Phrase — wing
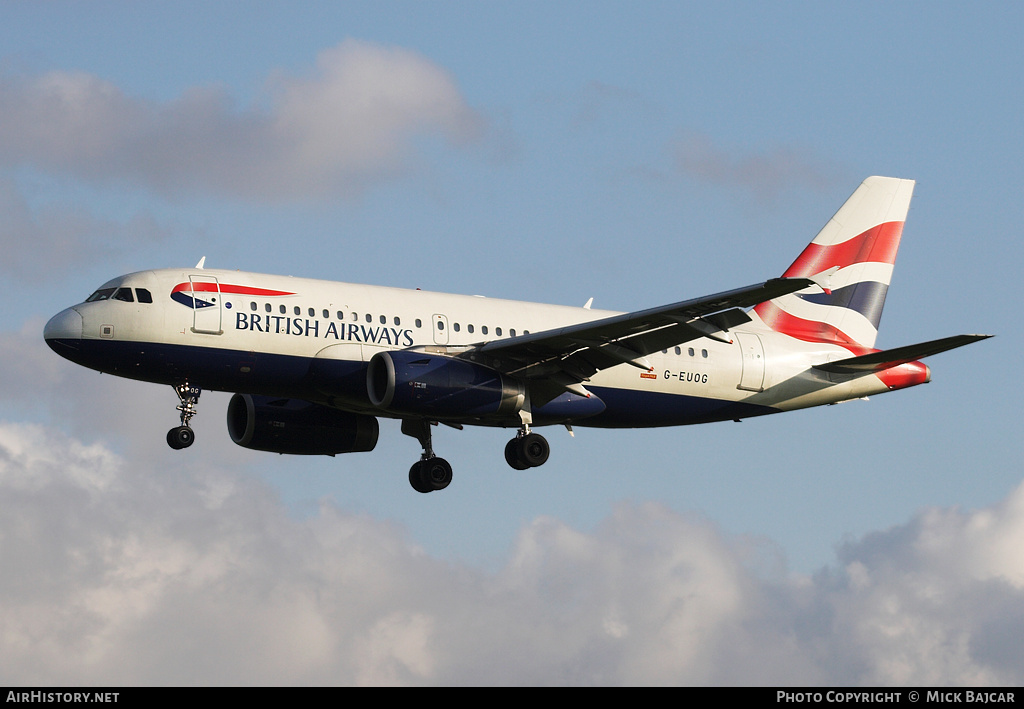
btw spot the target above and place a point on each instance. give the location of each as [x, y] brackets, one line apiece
[567, 356]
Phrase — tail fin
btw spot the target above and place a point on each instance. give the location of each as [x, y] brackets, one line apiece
[861, 240]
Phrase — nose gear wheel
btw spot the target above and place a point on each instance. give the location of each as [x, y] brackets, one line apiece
[183, 436]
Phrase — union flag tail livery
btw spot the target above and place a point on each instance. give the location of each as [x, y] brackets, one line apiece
[861, 241]
[314, 364]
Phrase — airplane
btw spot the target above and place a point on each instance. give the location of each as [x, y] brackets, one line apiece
[313, 364]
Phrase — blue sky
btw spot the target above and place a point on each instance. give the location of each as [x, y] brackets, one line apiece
[636, 154]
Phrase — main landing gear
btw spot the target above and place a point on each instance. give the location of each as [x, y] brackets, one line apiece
[183, 436]
[429, 473]
[527, 450]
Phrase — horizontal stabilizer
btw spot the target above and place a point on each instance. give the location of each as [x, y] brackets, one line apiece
[884, 359]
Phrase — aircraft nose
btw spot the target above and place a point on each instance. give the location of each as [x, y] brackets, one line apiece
[64, 330]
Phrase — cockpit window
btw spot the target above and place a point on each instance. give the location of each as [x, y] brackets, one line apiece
[123, 294]
[101, 294]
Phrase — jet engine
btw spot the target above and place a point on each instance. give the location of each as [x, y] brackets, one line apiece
[279, 425]
[420, 384]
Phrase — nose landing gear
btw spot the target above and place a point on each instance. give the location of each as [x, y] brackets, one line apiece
[183, 436]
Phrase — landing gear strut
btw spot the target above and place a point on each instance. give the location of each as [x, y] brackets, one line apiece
[429, 473]
[183, 436]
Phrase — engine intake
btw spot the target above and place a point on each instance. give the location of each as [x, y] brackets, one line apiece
[266, 423]
[433, 385]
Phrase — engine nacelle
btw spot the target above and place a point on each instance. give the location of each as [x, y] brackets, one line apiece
[267, 423]
[418, 383]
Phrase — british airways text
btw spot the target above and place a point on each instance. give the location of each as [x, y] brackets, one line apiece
[307, 327]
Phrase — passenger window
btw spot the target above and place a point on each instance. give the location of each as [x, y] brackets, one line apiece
[268, 307]
[440, 324]
[419, 323]
[469, 329]
[327, 313]
[312, 313]
[483, 329]
[679, 350]
[383, 320]
[456, 327]
[497, 331]
[398, 321]
[283, 310]
[341, 315]
[704, 354]
[512, 332]
[252, 305]
[690, 351]
[143, 295]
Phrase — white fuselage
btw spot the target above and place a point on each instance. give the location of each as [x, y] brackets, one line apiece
[310, 339]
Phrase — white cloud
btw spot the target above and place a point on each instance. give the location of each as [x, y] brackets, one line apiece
[138, 568]
[43, 241]
[764, 174]
[117, 572]
[355, 121]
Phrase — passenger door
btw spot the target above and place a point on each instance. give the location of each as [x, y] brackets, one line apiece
[752, 351]
[206, 305]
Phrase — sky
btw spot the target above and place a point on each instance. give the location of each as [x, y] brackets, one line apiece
[636, 153]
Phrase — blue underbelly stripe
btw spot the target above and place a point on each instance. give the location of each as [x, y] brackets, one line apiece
[314, 379]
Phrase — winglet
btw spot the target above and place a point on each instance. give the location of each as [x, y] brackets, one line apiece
[824, 279]
[202, 261]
